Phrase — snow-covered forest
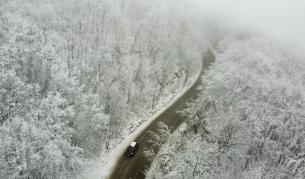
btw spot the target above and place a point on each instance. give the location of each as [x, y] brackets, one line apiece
[77, 76]
[248, 121]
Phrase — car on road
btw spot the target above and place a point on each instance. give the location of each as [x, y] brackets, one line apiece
[132, 149]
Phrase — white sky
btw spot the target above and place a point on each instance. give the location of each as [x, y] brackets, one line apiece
[283, 19]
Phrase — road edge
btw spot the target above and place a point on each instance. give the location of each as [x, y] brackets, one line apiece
[120, 149]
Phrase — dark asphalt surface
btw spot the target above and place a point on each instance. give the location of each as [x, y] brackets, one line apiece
[133, 168]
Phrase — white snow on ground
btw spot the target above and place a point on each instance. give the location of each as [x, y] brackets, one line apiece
[103, 167]
[100, 167]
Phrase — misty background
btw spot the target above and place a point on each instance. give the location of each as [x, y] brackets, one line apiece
[281, 19]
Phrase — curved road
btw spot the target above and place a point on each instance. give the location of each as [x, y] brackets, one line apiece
[134, 168]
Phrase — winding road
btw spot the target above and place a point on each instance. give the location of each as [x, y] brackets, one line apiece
[133, 168]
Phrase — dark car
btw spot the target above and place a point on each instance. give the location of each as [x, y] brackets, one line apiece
[132, 149]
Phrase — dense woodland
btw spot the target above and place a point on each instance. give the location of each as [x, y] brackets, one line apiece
[76, 75]
[248, 122]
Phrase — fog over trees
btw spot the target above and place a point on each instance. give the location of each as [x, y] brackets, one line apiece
[78, 76]
[248, 121]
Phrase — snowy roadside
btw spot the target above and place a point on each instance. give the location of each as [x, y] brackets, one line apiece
[175, 135]
[102, 166]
